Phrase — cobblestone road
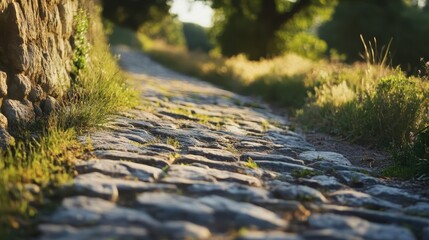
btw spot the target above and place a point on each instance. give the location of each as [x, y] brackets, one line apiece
[197, 162]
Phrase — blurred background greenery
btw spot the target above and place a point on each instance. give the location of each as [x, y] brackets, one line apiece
[261, 29]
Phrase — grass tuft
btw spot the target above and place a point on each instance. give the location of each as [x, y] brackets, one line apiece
[173, 142]
[251, 164]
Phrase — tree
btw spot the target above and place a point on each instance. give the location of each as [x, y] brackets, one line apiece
[255, 28]
[133, 13]
[196, 37]
[151, 17]
[400, 20]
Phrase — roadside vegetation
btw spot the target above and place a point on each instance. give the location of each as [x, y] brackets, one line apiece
[44, 152]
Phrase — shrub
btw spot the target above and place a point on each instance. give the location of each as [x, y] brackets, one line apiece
[307, 45]
[285, 90]
[385, 114]
[394, 110]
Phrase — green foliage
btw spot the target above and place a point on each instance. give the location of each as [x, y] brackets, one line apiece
[375, 56]
[196, 38]
[80, 42]
[384, 20]
[168, 29]
[306, 45]
[150, 17]
[412, 159]
[100, 90]
[251, 164]
[286, 90]
[123, 36]
[46, 162]
[173, 142]
[304, 173]
[385, 114]
[396, 105]
[133, 14]
[258, 28]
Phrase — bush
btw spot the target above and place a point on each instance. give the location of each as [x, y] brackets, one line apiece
[196, 38]
[285, 90]
[307, 45]
[384, 115]
[394, 110]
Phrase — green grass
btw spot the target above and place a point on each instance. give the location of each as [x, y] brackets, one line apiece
[250, 163]
[304, 173]
[383, 115]
[412, 159]
[173, 142]
[98, 90]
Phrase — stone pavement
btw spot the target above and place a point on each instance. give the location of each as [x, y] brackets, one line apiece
[197, 162]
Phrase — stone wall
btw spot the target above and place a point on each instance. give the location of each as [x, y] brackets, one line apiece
[35, 56]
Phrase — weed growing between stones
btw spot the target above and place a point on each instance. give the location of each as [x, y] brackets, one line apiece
[43, 155]
[265, 125]
[304, 173]
[251, 164]
[173, 156]
[173, 142]
[80, 42]
[231, 148]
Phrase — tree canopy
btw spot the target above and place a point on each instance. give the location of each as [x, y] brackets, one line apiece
[403, 22]
[261, 28]
[134, 13]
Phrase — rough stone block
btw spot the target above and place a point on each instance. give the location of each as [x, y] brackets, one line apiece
[20, 87]
[18, 112]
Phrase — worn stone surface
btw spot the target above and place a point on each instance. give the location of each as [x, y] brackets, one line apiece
[395, 194]
[193, 174]
[5, 139]
[356, 179]
[234, 191]
[156, 161]
[18, 112]
[359, 227]
[359, 199]
[120, 168]
[178, 167]
[214, 154]
[269, 235]
[322, 182]
[333, 157]
[3, 121]
[256, 156]
[297, 192]
[418, 209]
[98, 185]
[103, 232]
[48, 105]
[3, 84]
[165, 206]
[20, 87]
[240, 214]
